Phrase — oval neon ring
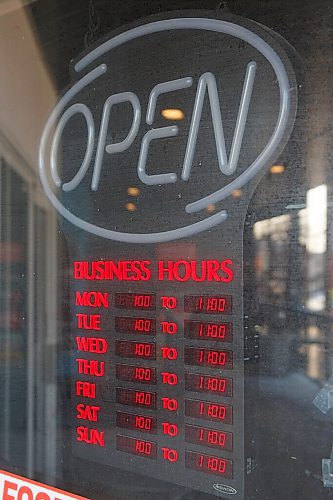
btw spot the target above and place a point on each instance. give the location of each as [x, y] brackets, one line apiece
[156, 27]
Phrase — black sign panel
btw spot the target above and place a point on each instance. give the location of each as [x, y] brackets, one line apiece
[151, 157]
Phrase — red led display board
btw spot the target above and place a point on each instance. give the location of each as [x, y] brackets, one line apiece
[152, 363]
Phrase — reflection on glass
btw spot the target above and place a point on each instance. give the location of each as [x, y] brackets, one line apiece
[316, 201]
[277, 169]
[290, 262]
[211, 208]
[172, 114]
[133, 191]
[131, 207]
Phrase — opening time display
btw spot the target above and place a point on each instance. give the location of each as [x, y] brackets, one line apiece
[155, 365]
[155, 368]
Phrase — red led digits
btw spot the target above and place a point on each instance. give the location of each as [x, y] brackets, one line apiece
[132, 397]
[208, 357]
[208, 304]
[142, 326]
[208, 411]
[144, 350]
[130, 325]
[205, 383]
[208, 463]
[137, 447]
[140, 423]
[198, 330]
[147, 424]
[139, 374]
[144, 374]
[135, 301]
[208, 437]
[128, 349]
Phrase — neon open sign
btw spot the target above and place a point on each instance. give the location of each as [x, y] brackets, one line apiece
[97, 147]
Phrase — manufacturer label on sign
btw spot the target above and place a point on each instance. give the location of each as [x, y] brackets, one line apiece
[13, 487]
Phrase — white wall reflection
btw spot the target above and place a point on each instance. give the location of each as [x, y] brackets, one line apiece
[316, 217]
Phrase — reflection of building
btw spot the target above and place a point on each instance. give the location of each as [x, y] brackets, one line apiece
[28, 250]
[272, 241]
[290, 269]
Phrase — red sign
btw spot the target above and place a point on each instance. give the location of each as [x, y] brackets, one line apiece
[13, 487]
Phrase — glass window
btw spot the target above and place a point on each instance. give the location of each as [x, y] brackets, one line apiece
[166, 272]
